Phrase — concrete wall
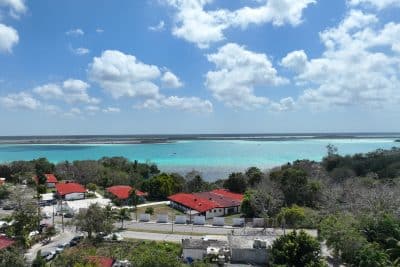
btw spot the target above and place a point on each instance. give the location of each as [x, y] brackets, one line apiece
[219, 221]
[180, 219]
[218, 212]
[144, 217]
[162, 218]
[249, 255]
[74, 196]
[195, 254]
[199, 220]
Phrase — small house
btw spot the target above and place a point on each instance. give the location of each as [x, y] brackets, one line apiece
[70, 191]
[51, 180]
[121, 193]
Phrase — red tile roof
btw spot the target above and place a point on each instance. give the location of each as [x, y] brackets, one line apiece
[6, 242]
[68, 188]
[227, 193]
[205, 201]
[123, 191]
[101, 261]
[50, 178]
[222, 201]
[193, 202]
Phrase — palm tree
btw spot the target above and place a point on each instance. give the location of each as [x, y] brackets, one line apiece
[134, 200]
[123, 215]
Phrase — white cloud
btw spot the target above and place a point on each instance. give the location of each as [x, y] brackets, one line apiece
[75, 32]
[238, 72]
[158, 28]
[80, 51]
[99, 30]
[49, 91]
[8, 38]
[295, 60]
[380, 4]
[21, 100]
[194, 23]
[170, 80]
[360, 65]
[191, 104]
[111, 110]
[123, 75]
[16, 7]
[284, 104]
[73, 112]
[70, 91]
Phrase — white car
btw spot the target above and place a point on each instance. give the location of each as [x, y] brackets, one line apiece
[113, 237]
[60, 248]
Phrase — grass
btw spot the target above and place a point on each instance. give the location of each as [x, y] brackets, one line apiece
[160, 209]
[163, 232]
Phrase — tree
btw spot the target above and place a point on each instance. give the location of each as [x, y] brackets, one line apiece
[246, 207]
[371, 255]
[91, 187]
[254, 175]
[296, 250]
[94, 220]
[12, 257]
[236, 183]
[39, 261]
[41, 189]
[123, 214]
[149, 210]
[161, 186]
[197, 184]
[42, 166]
[292, 216]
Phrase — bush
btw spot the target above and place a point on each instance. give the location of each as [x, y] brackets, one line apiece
[149, 210]
[292, 217]
[296, 249]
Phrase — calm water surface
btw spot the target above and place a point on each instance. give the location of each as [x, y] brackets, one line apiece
[214, 158]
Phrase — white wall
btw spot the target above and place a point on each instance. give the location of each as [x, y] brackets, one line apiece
[218, 212]
[195, 254]
[74, 196]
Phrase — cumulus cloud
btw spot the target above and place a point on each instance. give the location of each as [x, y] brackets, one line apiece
[8, 38]
[379, 4]
[194, 23]
[238, 72]
[123, 75]
[16, 7]
[158, 28]
[285, 104]
[360, 65]
[99, 30]
[191, 104]
[20, 100]
[75, 32]
[70, 91]
[169, 80]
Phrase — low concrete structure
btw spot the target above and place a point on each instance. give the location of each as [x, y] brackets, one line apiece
[199, 220]
[218, 221]
[238, 222]
[162, 218]
[198, 249]
[249, 249]
[144, 217]
[180, 219]
[258, 222]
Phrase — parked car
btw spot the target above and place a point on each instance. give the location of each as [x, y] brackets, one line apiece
[113, 237]
[9, 206]
[75, 241]
[60, 248]
[48, 255]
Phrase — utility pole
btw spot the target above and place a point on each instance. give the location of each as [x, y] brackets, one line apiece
[172, 222]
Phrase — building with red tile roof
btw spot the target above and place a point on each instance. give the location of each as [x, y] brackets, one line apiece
[122, 191]
[101, 261]
[70, 191]
[6, 242]
[51, 180]
[210, 204]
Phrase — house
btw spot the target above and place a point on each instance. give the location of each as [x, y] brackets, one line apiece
[216, 203]
[101, 261]
[70, 191]
[51, 180]
[6, 242]
[250, 249]
[122, 192]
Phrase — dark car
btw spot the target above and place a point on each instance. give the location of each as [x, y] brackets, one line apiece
[75, 241]
[9, 206]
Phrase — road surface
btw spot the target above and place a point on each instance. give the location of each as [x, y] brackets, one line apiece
[177, 238]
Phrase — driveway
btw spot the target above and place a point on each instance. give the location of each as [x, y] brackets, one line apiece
[163, 237]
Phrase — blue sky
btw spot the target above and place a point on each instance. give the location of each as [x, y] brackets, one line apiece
[199, 66]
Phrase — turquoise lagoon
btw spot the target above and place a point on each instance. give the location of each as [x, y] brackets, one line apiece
[214, 158]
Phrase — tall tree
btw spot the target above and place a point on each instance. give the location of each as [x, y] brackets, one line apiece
[236, 183]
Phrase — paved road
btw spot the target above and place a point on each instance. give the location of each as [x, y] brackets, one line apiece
[161, 237]
[61, 238]
[198, 229]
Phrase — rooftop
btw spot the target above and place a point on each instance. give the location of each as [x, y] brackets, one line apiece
[123, 191]
[50, 178]
[101, 261]
[6, 242]
[68, 188]
[202, 243]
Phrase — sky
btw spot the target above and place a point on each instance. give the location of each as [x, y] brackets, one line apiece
[199, 66]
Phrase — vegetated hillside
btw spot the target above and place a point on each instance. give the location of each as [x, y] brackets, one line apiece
[353, 200]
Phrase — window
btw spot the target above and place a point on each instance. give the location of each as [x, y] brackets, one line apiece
[220, 210]
[215, 210]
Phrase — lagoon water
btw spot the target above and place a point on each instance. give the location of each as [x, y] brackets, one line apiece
[214, 158]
